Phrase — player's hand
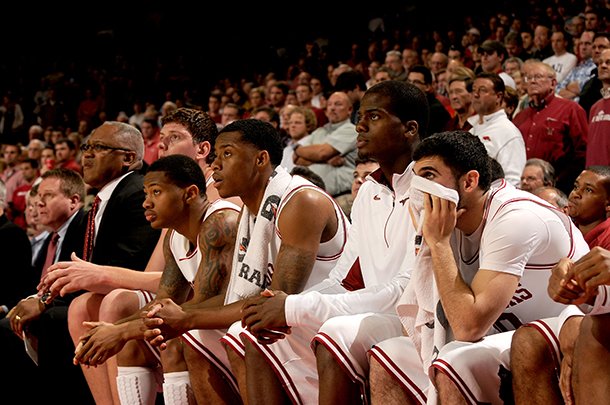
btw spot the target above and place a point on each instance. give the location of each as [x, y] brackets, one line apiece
[264, 315]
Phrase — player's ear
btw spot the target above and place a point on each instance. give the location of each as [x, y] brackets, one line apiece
[191, 193]
[203, 150]
[471, 180]
[262, 158]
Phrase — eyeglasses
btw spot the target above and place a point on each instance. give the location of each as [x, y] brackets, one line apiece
[98, 148]
[536, 77]
[417, 82]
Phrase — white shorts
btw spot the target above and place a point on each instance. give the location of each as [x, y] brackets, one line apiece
[477, 369]
[348, 338]
[291, 359]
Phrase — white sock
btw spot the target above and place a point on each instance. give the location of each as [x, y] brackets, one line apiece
[136, 385]
[177, 389]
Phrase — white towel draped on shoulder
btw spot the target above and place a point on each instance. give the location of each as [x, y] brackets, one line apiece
[250, 272]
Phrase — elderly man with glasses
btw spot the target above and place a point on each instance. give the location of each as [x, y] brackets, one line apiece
[553, 128]
[118, 235]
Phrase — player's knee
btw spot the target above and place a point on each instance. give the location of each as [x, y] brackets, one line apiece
[173, 357]
[118, 304]
[527, 347]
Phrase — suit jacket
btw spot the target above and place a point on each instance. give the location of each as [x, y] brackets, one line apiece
[18, 276]
[124, 237]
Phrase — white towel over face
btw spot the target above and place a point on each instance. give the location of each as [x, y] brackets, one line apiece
[417, 308]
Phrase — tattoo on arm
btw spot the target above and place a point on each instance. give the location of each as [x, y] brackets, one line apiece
[173, 284]
[216, 242]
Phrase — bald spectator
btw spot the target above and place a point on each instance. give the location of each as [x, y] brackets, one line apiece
[330, 151]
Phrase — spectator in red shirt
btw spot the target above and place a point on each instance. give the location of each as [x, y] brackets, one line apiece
[554, 129]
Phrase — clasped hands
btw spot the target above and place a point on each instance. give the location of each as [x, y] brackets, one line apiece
[577, 282]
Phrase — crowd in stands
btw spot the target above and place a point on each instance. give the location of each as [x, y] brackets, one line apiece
[275, 219]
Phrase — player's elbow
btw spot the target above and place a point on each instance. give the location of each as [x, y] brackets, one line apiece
[469, 332]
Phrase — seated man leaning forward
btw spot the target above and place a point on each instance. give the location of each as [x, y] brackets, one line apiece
[198, 249]
[290, 235]
[489, 258]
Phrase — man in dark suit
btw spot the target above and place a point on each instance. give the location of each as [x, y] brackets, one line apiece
[60, 208]
[122, 238]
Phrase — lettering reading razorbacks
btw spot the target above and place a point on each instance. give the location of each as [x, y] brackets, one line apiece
[255, 276]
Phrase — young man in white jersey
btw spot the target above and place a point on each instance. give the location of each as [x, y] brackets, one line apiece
[490, 256]
[175, 200]
[290, 236]
[354, 307]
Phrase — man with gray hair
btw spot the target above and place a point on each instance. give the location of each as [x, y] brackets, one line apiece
[118, 234]
[537, 173]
